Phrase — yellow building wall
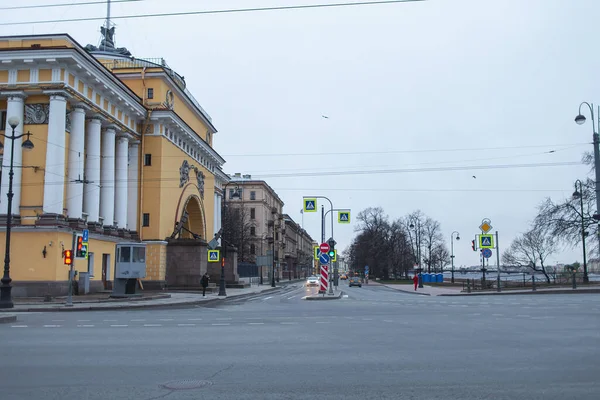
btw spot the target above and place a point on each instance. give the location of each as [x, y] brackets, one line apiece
[156, 261]
[32, 190]
[29, 264]
[151, 195]
[44, 42]
[4, 76]
[45, 75]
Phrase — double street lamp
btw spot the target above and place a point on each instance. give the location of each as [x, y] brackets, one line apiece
[452, 250]
[578, 194]
[6, 288]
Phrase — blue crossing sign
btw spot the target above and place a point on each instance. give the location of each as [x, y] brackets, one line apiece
[213, 256]
[486, 241]
[310, 205]
[344, 217]
[324, 258]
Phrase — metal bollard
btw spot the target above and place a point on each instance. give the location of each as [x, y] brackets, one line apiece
[498, 283]
[468, 286]
[574, 281]
[533, 283]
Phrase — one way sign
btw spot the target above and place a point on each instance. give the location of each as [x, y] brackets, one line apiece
[310, 205]
[213, 256]
[486, 241]
[344, 217]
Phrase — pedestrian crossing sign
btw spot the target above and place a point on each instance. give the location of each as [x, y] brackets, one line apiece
[310, 205]
[344, 217]
[486, 241]
[213, 256]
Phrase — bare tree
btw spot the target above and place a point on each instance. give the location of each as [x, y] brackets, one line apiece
[432, 241]
[236, 230]
[531, 248]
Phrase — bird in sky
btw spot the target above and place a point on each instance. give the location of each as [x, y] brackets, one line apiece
[325, 116]
[474, 177]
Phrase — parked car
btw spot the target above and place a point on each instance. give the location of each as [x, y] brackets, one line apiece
[312, 281]
[354, 281]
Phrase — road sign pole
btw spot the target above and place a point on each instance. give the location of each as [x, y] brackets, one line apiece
[70, 294]
[497, 262]
[322, 224]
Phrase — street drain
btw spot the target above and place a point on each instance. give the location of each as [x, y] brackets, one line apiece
[186, 384]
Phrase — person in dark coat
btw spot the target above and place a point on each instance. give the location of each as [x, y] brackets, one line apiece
[416, 281]
[204, 283]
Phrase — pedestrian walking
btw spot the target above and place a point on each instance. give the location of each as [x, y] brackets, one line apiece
[416, 281]
[204, 283]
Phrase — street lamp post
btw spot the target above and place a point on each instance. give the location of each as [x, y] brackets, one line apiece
[6, 288]
[452, 251]
[579, 194]
[580, 119]
[418, 242]
[235, 194]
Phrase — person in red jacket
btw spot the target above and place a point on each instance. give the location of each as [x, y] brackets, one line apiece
[416, 281]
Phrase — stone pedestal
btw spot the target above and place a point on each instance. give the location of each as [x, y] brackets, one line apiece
[231, 272]
[52, 220]
[186, 263]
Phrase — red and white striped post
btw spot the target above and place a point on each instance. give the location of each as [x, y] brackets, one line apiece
[324, 279]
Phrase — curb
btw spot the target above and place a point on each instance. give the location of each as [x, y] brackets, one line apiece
[4, 319]
[339, 296]
[112, 300]
[145, 306]
[507, 293]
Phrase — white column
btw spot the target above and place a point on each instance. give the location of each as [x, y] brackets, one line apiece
[121, 175]
[14, 108]
[132, 186]
[54, 176]
[76, 160]
[107, 177]
[91, 194]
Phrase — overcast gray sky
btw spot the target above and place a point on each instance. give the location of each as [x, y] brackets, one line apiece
[430, 84]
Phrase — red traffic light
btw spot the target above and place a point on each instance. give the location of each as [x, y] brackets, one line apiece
[473, 245]
[223, 262]
[68, 257]
[79, 243]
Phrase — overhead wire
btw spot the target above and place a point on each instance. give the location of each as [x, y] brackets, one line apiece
[222, 11]
[54, 5]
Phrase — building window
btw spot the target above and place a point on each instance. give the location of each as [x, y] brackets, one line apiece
[147, 160]
[276, 235]
[150, 93]
[252, 249]
[253, 213]
[146, 219]
[2, 120]
[252, 231]
[253, 195]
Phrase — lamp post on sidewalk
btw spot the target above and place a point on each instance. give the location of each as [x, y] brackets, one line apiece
[418, 255]
[452, 251]
[6, 288]
[578, 194]
[234, 194]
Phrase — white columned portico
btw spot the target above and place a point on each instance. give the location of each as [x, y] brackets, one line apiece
[132, 186]
[15, 107]
[54, 176]
[91, 194]
[107, 177]
[121, 175]
[76, 163]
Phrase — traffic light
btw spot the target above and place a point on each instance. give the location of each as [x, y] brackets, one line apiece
[223, 262]
[473, 245]
[80, 247]
[68, 256]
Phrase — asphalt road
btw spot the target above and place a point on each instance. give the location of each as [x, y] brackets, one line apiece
[376, 343]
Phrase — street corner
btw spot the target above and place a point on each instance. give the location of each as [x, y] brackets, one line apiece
[408, 289]
[7, 318]
[335, 296]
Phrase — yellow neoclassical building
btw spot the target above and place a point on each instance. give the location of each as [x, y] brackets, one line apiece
[121, 148]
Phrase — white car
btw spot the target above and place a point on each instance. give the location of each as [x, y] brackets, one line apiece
[312, 281]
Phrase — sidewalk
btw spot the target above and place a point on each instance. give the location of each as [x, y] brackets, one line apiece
[457, 291]
[162, 300]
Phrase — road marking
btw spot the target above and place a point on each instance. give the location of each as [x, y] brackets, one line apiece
[387, 320]
[267, 298]
[52, 326]
[109, 320]
[58, 320]
[289, 298]
[186, 324]
[475, 314]
[137, 320]
[83, 320]
[345, 296]
[367, 319]
[523, 315]
[166, 319]
[223, 319]
[220, 324]
[497, 315]
[256, 323]
[85, 326]
[253, 317]
[288, 323]
[18, 326]
[194, 319]
[323, 322]
[118, 326]
[152, 325]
